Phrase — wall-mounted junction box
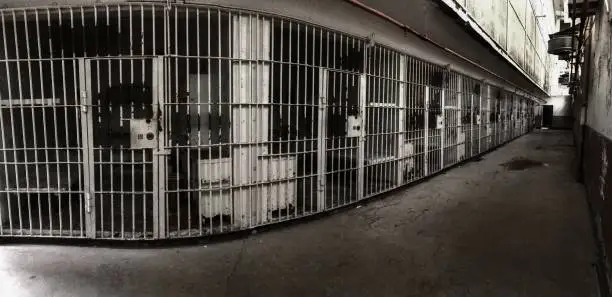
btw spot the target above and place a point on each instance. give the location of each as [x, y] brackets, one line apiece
[143, 134]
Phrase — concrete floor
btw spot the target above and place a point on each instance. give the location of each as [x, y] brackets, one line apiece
[477, 230]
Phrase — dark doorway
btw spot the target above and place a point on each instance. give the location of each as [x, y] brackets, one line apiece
[547, 116]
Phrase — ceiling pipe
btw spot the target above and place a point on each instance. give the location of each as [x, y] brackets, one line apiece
[407, 28]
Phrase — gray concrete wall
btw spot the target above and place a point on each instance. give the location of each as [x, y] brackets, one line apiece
[595, 138]
[599, 87]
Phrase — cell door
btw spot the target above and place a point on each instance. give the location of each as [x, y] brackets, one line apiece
[123, 136]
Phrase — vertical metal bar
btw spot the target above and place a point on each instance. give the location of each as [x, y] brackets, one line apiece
[79, 151]
[254, 31]
[442, 132]
[282, 97]
[66, 123]
[264, 83]
[143, 151]
[174, 100]
[198, 109]
[101, 195]
[132, 116]
[401, 122]
[375, 110]
[322, 136]
[23, 134]
[312, 139]
[209, 134]
[6, 194]
[361, 142]
[188, 112]
[26, 149]
[54, 113]
[88, 146]
[391, 120]
[296, 107]
[160, 229]
[6, 180]
[471, 123]
[345, 80]
[426, 133]
[343, 77]
[373, 115]
[479, 119]
[35, 148]
[343, 143]
[231, 44]
[335, 141]
[306, 142]
[253, 108]
[158, 162]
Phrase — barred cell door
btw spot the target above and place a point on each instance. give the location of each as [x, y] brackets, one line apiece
[123, 133]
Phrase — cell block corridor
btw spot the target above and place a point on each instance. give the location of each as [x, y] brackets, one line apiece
[146, 121]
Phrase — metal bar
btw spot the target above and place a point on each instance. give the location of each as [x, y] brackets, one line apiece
[84, 109]
[75, 112]
[361, 142]
[426, 132]
[160, 229]
[471, 123]
[401, 122]
[199, 107]
[188, 111]
[132, 115]
[23, 134]
[442, 129]
[4, 142]
[34, 136]
[45, 135]
[88, 148]
[479, 119]
[231, 45]
[322, 139]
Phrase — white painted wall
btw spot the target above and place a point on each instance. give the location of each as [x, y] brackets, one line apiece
[562, 105]
[520, 28]
[558, 67]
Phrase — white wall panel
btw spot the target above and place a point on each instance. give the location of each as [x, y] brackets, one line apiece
[513, 25]
[516, 38]
[519, 7]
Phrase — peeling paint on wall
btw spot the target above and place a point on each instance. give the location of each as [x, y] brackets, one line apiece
[600, 71]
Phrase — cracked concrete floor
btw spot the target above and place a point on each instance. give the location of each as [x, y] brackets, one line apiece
[477, 230]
